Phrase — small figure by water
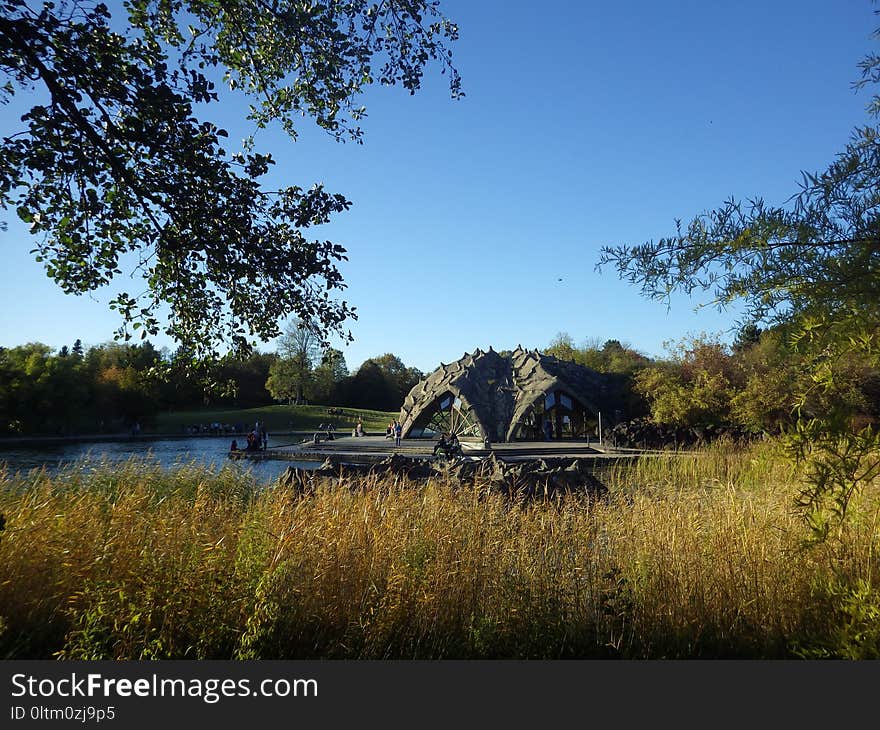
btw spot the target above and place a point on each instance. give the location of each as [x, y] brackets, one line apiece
[398, 430]
[253, 441]
[234, 445]
[359, 429]
[389, 432]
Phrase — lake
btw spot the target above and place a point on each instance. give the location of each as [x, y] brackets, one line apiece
[168, 452]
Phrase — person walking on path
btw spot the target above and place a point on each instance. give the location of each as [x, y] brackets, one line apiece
[398, 430]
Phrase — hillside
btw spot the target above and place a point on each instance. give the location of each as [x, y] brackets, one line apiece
[276, 418]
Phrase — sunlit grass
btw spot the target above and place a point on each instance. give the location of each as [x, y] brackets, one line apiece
[276, 418]
[693, 556]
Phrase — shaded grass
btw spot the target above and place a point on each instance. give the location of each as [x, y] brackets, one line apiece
[700, 556]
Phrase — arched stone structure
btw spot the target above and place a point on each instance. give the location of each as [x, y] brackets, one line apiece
[503, 397]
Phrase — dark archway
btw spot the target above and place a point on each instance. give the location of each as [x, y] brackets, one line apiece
[448, 413]
[569, 418]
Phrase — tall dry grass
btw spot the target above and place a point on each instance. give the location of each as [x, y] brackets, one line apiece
[689, 556]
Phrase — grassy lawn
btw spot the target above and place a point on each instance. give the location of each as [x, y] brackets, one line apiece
[276, 418]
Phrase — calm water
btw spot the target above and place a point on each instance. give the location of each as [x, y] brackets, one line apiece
[209, 451]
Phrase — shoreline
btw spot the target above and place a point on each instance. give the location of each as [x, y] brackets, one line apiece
[32, 441]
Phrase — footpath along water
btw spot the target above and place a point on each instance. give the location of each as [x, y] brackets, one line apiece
[212, 452]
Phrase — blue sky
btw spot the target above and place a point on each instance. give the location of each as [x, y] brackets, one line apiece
[584, 124]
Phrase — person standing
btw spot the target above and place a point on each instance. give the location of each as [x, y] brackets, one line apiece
[398, 431]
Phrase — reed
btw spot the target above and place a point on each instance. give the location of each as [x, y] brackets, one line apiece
[699, 555]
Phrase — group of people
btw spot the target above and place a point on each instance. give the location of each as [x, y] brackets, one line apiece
[394, 431]
[448, 444]
[329, 431]
[257, 439]
[215, 428]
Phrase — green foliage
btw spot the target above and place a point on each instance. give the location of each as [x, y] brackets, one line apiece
[747, 337]
[766, 401]
[693, 389]
[328, 375]
[610, 357]
[837, 467]
[112, 386]
[619, 362]
[291, 375]
[855, 630]
[113, 159]
[286, 382]
[39, 391]
[380, 383]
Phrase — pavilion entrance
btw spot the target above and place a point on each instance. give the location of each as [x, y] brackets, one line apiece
[568, 419]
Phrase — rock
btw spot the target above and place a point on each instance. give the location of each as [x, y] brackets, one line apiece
[526, 478]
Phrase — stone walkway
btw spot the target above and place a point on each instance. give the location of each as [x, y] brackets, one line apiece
[368, 449]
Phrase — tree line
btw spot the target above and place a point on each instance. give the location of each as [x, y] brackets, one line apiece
[113, 386]
[755, 385]
[761, 383]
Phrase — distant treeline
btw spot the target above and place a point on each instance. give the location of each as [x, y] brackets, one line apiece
[113, 387]
[755, 385]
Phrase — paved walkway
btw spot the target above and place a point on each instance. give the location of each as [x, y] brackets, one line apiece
[367, 449]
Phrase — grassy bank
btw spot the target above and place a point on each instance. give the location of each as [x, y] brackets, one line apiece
[276, 418]
[691, 557]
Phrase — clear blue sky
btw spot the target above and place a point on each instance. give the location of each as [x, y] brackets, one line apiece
[584, 124]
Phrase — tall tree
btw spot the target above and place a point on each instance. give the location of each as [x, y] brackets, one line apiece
[292, 374]
[249, 376]
[563, 347]
[401, 378]
[114, 158]
[766, 402]
[695, 387]
[332, 371]
[369, 388]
